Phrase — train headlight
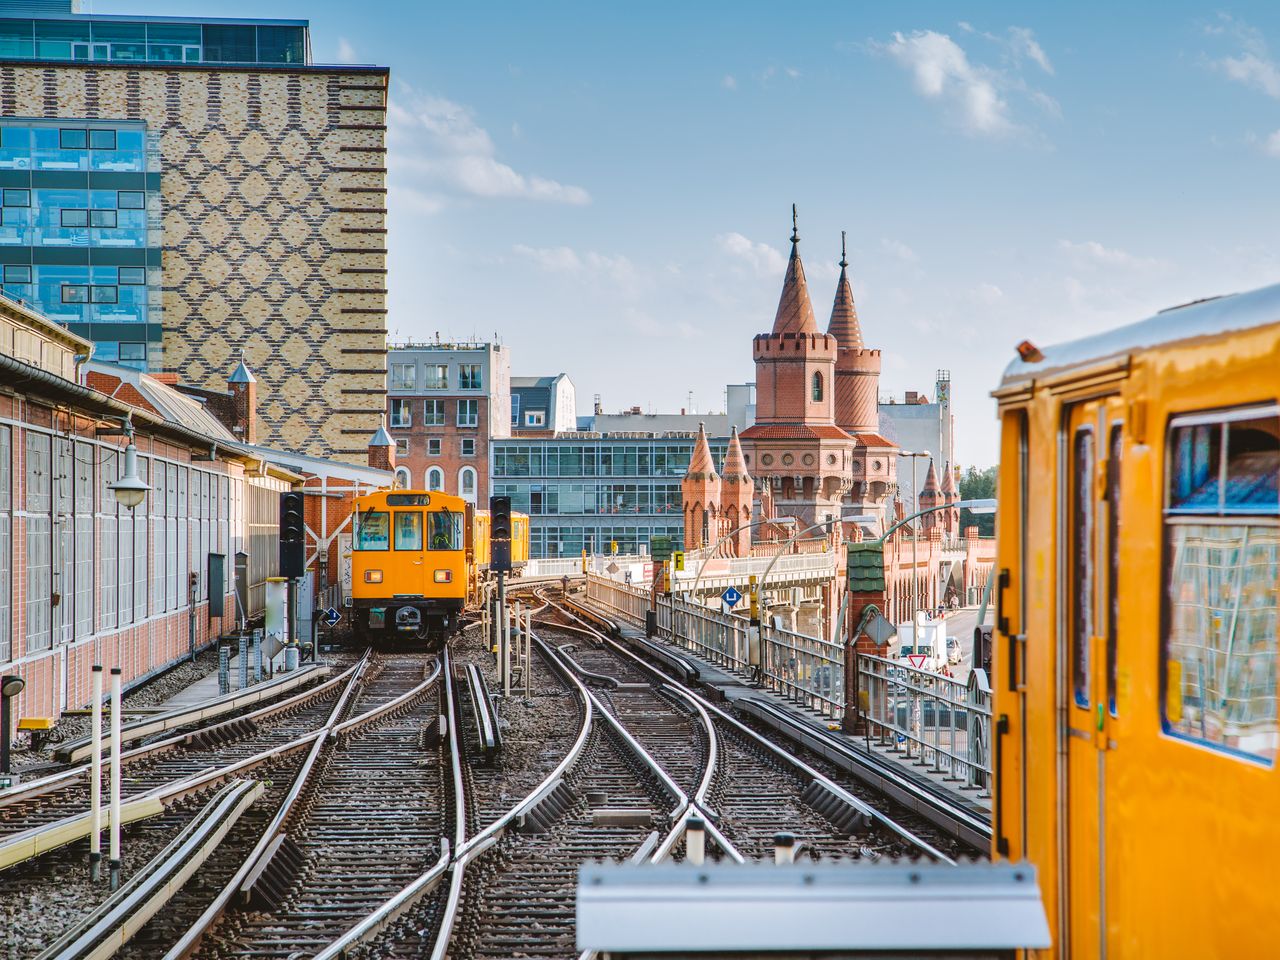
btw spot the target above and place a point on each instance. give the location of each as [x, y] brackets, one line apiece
[373, 576]
[444, 576]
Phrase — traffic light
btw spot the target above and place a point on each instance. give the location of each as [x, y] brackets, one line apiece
[293, 535]
[500, 534]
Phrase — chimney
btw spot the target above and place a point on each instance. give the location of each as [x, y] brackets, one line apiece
[243, 386]
[911, 396]
[599, 407]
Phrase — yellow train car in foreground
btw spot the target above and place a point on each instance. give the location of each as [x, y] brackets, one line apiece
[1135, 669]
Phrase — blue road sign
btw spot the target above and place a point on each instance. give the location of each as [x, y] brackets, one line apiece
[332, 616]
[731, 597]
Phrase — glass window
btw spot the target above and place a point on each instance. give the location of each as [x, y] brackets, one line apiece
[402, 478]
[373, 530]
[102, 139]
[17, 274]
[402, 447]
[817, 388]
[468, 413]
[1222, 580]
[467, 482]
[436, 376]
[435, 479]
[469, 376]
[73, 139]
[1113, 566]
[433, 447]
[1081, 562]
[75, 218]
[433, 413]
[400, 415]
[16, 39]
[468, 446]
[403, 376]
[133, 352]
[408, 530]
[278, 44]
[444, 530]
[74, 293]
[105, 295]
[535, 418]
[131, 199]
[102, 218]
[229, 43]
[17, 198]
[133, 276]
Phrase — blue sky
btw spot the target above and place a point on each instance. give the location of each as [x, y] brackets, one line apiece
[608, 188]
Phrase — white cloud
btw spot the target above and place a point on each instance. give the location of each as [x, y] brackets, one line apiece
[566, 260]
[1272, 144]
[346, 52]
[763, 259]
[942, 71]
[987, 294]
[729, 82]
[439, 144]
[1092, 253]
[793, 73]
[1024, 44]
[896, 248]
[1252, 65]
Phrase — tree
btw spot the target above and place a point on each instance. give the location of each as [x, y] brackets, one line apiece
[978, 484]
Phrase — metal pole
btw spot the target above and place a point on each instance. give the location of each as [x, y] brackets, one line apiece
[504, 636]
[915, 569]
[114, 853]
[95, 778]
[528, 654]
[6, 726]
[192, 587]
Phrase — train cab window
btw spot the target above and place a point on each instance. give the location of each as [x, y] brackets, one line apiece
[408, 530]
[444, 530]
[1222, 580]
[1113, 561]
[1082, 540]
[373, 530]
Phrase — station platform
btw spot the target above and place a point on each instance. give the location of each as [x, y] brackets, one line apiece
[206, 688]
[915, 784]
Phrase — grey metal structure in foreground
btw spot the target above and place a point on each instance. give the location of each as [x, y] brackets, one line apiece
[826, 909]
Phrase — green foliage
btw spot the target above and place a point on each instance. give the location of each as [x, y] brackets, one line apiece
[978, 484]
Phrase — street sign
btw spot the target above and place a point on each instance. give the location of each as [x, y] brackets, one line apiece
[332, 616]
[731, 597]
[917, 660]
[679, 558]
[879, 629]
[612, 568]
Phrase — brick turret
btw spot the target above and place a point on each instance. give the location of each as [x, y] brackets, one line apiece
[382, 449]
[243, 386]
[857, 373]
[931, 496]
[735, 496]
[951, 494]
[700, 491]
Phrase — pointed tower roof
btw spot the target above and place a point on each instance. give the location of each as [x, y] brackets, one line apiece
[735, 464]
[949, 482]
[844, 315]
[242, 374]
[930, 481]
[795, 312]
[380, 437]
[700, 463]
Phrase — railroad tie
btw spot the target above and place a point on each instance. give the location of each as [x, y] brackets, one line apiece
[843, 817]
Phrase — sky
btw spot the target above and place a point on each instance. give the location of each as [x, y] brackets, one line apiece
[608, 187]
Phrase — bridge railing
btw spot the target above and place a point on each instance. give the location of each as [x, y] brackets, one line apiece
[721, 572]
[928, 718]
[553, 567]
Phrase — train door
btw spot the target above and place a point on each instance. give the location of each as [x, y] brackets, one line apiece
[410, 562]
[1089, 512]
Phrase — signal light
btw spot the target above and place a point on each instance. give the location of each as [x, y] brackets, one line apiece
[293, 534]
[373, 576]
[500, 534]
[444, 576]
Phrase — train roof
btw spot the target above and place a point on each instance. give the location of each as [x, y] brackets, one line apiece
[1203, 318]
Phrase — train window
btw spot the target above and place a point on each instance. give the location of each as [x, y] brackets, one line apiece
[444, 530]
[1081, 562]
[1113, 564]
[408, 530]
[1222, 579]
[373, 530]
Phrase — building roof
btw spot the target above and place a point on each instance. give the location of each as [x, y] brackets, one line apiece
[700, 463]
[866, 567]
[717, 424]
[948, 481]
[526, 382]
[844, 315]
[795, 312]
[137, 388]
[735, 464]
[930, 481]
[793, 431]
[242, 374]
[873, 440]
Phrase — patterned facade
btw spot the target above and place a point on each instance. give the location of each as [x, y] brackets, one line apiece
[272, 215]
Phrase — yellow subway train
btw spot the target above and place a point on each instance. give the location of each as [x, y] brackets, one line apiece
[1135, 665]
[417, 556]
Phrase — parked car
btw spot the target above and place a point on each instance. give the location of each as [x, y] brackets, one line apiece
[953, 650]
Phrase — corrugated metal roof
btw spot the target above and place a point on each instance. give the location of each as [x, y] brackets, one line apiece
[169, 403]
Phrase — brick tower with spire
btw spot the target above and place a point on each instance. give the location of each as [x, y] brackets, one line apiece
[794, 445]
[736, 495]
[931, 496]
[700, 492]
[950, 493]
[874, 477]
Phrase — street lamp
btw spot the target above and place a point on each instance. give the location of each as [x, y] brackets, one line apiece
[129, 490]
[849, 518]
[716, 546]
[10, 686]
[915, 505]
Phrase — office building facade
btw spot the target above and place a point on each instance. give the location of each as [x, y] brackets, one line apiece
[186, 193]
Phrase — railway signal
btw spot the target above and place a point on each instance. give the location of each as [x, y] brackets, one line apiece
[293, 535]
[500, 534]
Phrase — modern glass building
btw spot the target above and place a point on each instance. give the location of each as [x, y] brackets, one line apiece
[583, 491]
[80, 230]
[154, 40]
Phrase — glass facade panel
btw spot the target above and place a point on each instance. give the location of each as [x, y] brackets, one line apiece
[229, 43]
[129, 39]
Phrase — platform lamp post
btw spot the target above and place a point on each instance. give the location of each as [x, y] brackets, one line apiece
[915, 506]
[10, 686]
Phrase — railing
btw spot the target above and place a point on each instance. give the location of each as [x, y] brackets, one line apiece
[724, 572]
[806, 670]
[931, 719]
[553, 567]
[622, 598]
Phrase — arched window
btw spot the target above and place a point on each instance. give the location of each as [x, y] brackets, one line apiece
[467, 484]
[817, 387]
[402, 478]
[435, 479]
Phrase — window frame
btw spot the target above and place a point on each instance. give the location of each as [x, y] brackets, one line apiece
[473, 419]
[402, 406]
[358, 543]
[62, 138]
[10, 190]
[431, 418]
[462, 446]
[433, 446]
[62, 218]
[140, 194]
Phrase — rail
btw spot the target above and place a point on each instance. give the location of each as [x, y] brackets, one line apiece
[483, 714]
[928, 718]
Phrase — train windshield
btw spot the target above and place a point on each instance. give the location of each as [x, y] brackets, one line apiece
[408, 530]
[444, 530]
[373, 530]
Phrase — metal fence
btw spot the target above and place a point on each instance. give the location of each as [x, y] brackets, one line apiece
[933, 720]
